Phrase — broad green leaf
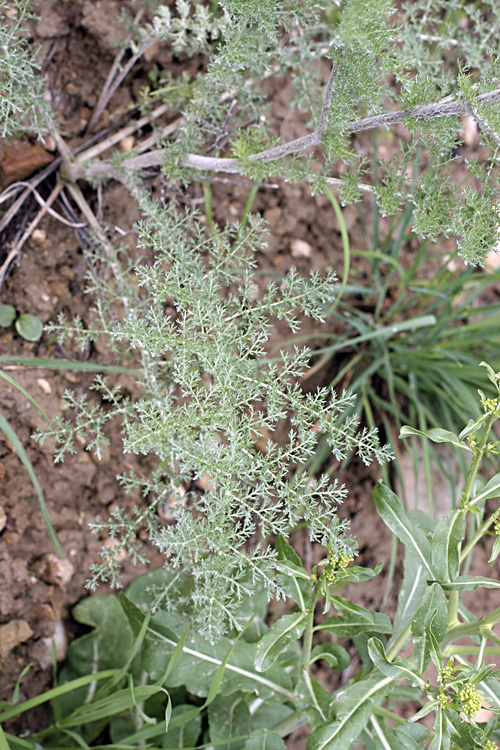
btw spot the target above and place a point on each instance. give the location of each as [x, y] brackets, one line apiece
[410, 594]
[287, 629]
[399, 669]
[391, 510]
[490, 490]
[473, 426]
[437, 435]
[435, 651]
[411, 735]
[229, 717]
[298, 581]
[270, 713]
[430, 619]
[445, 545]
[495, 550]
[356, 620]
[262, 739]
[463, 733]
[200, 659]
[311, 697]
[101, 647]
[289, 568]
[353, 707]
[441, 740]
[490, 688]
[334, 654]
[384, 737]
[469, 583]
[357, 574]
[285, 551]
[184, 734]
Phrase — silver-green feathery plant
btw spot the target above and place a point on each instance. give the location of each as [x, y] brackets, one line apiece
[22, 102]
[208, 394]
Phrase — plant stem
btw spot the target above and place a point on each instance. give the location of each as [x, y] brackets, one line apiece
[308, 632]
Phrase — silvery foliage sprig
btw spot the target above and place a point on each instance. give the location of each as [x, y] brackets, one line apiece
[22, 102]
[392, 65]
[208, 393]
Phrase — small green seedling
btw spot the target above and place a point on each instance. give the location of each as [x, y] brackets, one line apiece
[28, 326]
[7, 315]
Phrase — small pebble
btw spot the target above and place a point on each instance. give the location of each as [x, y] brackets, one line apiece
[300, 248]
[53, 570]
[127, 143]
[12, 634]
[3, 519]
[44, 386]
[38, 235]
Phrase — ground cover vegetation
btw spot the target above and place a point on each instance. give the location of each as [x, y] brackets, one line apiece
[197, 664]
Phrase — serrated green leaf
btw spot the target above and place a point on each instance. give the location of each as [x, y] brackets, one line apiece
[445, 545]
[437, 435]
[287, 629]
[399, 669]
[262, 739]
[391, 510]
[353, 707]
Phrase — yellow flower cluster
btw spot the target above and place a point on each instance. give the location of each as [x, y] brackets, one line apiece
[470, 700]
[335, 563]
[446, 673]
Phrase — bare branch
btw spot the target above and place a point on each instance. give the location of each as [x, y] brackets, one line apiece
[445, 108]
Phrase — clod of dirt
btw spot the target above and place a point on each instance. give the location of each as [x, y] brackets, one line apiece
[53, 571]
[20, 160]
[51, 22]
[12, 634]
[100, 19]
